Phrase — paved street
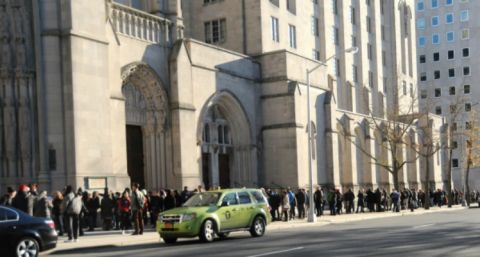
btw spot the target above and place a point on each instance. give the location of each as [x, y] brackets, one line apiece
[452, 233]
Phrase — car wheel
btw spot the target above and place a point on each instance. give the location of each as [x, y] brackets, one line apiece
[223, 235]
[258, 227]
[27, 247]
[169, 240]
[207, 231]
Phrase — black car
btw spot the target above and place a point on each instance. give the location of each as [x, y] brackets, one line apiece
[24, 235]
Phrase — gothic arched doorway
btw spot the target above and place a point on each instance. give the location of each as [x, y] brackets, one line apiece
[228, 156]
[146, 110]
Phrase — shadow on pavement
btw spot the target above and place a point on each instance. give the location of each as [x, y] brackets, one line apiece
[111, 248]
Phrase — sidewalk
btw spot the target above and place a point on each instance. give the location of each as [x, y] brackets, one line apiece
[106, 239]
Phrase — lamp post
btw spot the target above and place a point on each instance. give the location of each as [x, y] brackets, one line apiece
[311, 214]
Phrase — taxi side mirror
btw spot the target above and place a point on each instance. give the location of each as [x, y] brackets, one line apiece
[225, 204]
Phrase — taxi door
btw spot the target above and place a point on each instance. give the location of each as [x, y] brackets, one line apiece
[246, 209]
[229, 212]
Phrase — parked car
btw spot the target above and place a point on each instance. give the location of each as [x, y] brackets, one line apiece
[24, 235]
[216, 213]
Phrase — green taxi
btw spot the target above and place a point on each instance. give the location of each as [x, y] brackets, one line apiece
[216, 213]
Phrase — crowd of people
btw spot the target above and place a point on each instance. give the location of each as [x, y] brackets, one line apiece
[77, 211]
[287, 205]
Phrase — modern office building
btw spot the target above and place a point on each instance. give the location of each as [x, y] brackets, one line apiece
[181, 93]
[447, 36]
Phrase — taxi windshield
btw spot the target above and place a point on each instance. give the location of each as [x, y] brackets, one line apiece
[203, 199]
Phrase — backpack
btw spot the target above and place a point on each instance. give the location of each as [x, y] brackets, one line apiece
[139, 199]
[75, 205]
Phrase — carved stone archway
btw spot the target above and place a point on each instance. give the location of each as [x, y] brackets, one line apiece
[224, 129]
[146, 106]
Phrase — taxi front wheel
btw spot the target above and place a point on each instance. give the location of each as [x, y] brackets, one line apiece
[207, 232]
[258, 227]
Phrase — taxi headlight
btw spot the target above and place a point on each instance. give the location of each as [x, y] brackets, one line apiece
[189, 216]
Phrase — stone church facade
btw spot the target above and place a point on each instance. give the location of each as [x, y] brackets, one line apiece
[133, 92]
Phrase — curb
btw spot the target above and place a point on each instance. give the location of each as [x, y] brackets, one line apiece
[323, 222]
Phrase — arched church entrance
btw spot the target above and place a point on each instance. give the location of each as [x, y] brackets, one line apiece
[146, 110]
[226, 144]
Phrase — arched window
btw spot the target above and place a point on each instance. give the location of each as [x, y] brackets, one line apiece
[220, 134]
[226, 135]
[206, 133]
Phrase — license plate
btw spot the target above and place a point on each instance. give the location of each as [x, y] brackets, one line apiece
[168, 225]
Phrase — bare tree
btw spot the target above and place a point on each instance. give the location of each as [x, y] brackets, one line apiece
[393, 125]
[429, 145]
[472, 135]
[457, 108]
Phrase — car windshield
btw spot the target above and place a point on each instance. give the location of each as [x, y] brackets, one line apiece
[202, 199]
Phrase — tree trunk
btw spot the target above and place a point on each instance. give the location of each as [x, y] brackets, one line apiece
[449, 177]
[426, 202]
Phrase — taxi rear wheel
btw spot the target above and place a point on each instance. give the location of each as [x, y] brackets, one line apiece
[169, 240]
[207, 231]
[258, 227]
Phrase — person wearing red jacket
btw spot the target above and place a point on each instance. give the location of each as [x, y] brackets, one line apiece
[124, 208]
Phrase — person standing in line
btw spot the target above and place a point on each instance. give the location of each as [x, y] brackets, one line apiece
[360, 201]
[285, 205]
[318, 200]
[124, 209]
[57, 212]
[93, 205]
[395, 200]
[301, 203]
[349, 199]
[185, 194]
[43, 206]
[73, 205]
[107, 210]
[138, 200]
[293, 203]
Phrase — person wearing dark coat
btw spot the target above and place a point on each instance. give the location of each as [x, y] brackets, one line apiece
[93, 204]
[43, 206]
[301, 203]
[349, 197]
[21, 200]
[156, 206]
[360, 201]
[107, 206]
[185, 195]
[169, 201]
[317, 201]
[57, 212]
[178, 198]
[370, 200]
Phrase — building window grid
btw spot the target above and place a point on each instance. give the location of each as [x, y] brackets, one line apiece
[449, 18]
[435, 39]
[464, 16]
[215, 31]
[465, 34]
[435, 21]
[420, 5]
[315, 26]
[451, 73]
[451, 36]
[292, 33]
[275, 29]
